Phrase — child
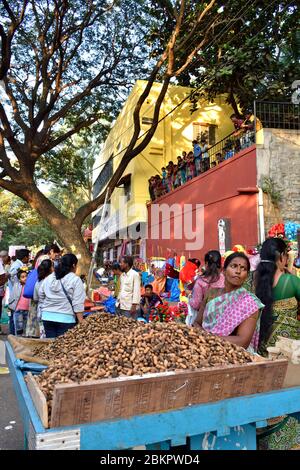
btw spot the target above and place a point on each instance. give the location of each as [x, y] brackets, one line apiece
[157, 186]
[164, 179]
[170, 177]
[18, 305]
[219, 158]
[190, 166]
[151, 182]
[205, 156]
[182, 169]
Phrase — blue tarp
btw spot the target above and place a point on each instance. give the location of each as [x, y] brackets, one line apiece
[147, 278]
[29, 366]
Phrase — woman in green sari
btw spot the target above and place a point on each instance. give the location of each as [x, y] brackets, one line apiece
[280, 293]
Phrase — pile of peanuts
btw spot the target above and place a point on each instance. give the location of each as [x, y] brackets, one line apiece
[106, 346]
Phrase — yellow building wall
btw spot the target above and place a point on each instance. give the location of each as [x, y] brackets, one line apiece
[173, 135]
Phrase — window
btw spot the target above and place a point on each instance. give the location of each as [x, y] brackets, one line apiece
[206, 130]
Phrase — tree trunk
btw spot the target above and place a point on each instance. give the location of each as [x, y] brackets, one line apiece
[67, 230]
[71, 237]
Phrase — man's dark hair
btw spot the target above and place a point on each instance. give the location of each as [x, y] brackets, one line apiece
[233, 116]
[128, 260]
[53, 247]
[148, 286]
[23, 253]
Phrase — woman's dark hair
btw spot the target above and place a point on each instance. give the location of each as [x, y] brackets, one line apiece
[238, 254]
[65, 265]
[270, 253]
[44, 269]
[213, 261]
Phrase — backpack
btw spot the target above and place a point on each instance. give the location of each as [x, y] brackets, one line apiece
[30, 283]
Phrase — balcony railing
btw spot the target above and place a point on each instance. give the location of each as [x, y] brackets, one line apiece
[276, 115]
[230, 146]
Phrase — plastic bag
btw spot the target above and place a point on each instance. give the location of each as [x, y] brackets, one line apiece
[110, 304]
[174, 292]
[31, 281]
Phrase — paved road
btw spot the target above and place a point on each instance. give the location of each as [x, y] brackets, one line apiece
[12, 437]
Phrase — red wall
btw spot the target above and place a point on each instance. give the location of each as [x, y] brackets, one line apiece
[217, 189]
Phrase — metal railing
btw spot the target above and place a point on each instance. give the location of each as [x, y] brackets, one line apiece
[230, 146]
[277, 115]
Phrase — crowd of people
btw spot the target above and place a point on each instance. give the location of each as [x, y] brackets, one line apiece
[192, 164]
[44, 297]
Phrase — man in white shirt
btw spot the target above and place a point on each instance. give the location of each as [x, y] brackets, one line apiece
[130, 289]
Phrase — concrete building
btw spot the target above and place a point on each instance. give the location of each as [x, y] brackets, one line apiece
[127, 208]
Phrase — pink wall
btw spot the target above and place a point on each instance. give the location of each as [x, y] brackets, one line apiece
[217, 189]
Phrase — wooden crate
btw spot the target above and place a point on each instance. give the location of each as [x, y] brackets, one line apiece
[124, 397]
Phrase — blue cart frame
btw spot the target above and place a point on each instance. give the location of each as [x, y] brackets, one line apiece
[224, 425]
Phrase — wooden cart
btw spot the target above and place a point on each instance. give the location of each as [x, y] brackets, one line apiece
[131, 419]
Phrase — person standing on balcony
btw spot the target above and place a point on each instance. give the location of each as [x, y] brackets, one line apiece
[204, 152]
[190, 166]
[198, 157]
[248, 126]
[239, 131]
[130, 289]
[182, 170]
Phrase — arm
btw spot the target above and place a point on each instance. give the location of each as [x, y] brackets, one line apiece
[244, 332]
[78, 299]
[136, 292]
[199, 319]
[197, 296]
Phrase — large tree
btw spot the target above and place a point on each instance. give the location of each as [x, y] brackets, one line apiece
[66, 64]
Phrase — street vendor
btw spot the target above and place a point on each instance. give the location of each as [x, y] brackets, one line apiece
[232, 312]
[130, 289]
[148, 301]
[280, 292]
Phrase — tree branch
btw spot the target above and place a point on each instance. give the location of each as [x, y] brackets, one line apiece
[80, 125]
[6, 39]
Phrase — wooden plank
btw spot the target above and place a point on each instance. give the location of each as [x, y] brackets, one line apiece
[38, 399]
[125, 397]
